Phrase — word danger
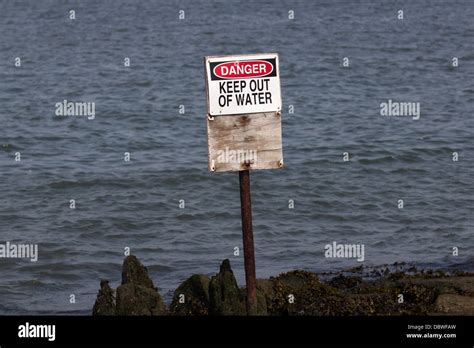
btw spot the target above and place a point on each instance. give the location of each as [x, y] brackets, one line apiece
[254, 92]
[234, 70]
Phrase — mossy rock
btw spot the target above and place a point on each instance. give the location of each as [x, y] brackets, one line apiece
[461, 285]
[301, 293]
[105, 302]
[135, 299]
[342, 282]
[194, 291]
[265, 295]
[455, 304]
[137, 295]
[134, 272]
[225, 297]
[418, 294]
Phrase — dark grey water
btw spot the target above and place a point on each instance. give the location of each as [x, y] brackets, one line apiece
[135, 204]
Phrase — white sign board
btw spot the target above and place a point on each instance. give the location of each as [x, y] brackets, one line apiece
[243, 84]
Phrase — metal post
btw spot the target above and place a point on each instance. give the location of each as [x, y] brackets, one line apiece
[247, 232]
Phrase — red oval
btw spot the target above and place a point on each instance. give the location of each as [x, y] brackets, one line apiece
[243, 69]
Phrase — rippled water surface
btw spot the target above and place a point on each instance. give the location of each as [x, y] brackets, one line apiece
[135, 204]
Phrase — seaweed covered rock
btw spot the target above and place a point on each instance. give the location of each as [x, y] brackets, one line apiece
[369, 304]
[105, 302]
[386, 296]
[301, 293]
[294, 293]
[192, 296]
[133, 299]
[134, 272]
[463, 284]
[418, 297]
[406, 297]
[137, 295]
[343, 282]
[265, 295]
[455, 304]
[225, 297]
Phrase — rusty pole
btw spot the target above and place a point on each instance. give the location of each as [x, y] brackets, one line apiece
[247, 233]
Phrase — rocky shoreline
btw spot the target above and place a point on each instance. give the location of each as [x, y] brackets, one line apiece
[386, 292]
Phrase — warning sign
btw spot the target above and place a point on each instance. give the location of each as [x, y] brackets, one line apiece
[243, 84]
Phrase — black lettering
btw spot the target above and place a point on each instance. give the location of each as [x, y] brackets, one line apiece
[266, 83]
[248, 100]
[222, 88]
[240, 99]
[229, 87]
[222, 100]
[254, 98]
[268, 98]
[253, 85]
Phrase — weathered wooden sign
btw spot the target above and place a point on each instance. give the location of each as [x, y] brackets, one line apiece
[245, 142]
[244, 112]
